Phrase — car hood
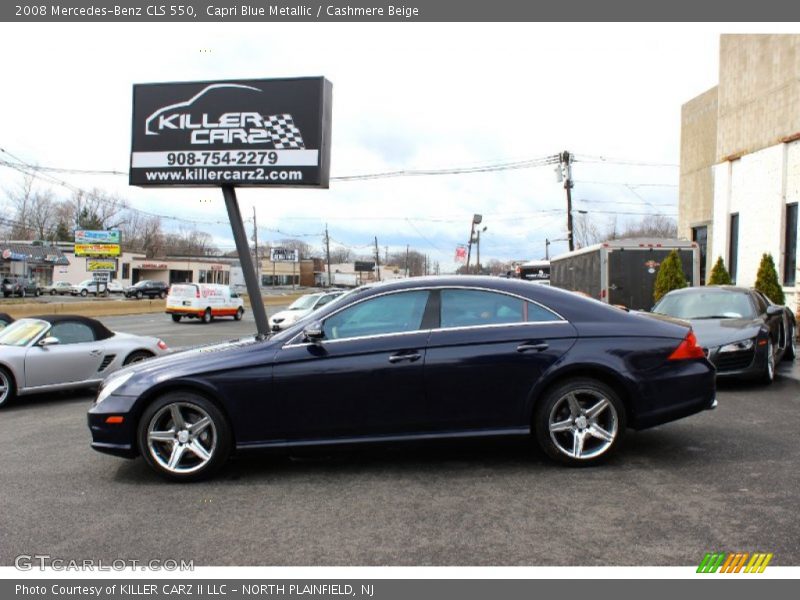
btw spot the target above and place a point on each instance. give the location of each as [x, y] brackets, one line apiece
[716, 332]
[195, 361]
[293, 314]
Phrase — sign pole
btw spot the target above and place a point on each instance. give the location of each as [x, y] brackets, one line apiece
[248, 268]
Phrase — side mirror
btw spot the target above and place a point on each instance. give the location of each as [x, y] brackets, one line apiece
[313, 332]
[773, 310]
[48, 341]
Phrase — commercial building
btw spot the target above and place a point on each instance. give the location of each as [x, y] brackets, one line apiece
[33, 260]
[740, 160]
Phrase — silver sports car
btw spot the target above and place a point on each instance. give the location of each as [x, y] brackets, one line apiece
[41, 354]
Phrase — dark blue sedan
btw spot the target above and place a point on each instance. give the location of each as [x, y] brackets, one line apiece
[418, 359]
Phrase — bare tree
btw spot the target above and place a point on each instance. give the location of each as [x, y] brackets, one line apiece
[20, 198]
[585, 231]
[341, 254]
[651, 226]
[305, 250]
[189, 242]
[42, 214]
[142, 233]
[97, 209]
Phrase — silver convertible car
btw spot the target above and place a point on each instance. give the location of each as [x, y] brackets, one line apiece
[42, 354]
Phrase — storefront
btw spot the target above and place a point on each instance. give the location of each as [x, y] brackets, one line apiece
[19, 259]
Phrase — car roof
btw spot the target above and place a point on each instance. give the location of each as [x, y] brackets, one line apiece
[100, 331]
[712, 289]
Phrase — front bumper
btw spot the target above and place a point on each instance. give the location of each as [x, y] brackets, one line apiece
[118, 439]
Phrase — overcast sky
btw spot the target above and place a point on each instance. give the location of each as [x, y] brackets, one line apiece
[405, 96]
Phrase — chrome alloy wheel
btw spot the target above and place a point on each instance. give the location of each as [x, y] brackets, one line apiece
[770, 374]
[583, 424]
[181, 437]
[5, 387]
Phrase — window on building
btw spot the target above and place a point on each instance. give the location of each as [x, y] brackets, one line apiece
[790, 246]
[733, 246]
[126, 270]
[700, 236]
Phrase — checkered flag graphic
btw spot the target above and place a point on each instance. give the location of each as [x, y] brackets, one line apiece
[284, 133]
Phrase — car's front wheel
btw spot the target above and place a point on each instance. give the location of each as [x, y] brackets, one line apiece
[579, 422]
[176, 318]
[239, 314]
[207, 316]
[184, 437]
[84, 293]
[139, 295]
[768, 376]
[53, 292]
[6, 387]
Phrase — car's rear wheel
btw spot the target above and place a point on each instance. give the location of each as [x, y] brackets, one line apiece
[162, 295]
[84, 292]
[22, 292]
[37, 292]
[137, 356]
[768, 376]
[239, 314]
[579, 422]
[139, 295]
[176, 318]
[184, 437]
[6, 387]
[791, 344]
[207, 316]
[53, 292]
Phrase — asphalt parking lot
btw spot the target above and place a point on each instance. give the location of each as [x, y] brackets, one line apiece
[721, 480]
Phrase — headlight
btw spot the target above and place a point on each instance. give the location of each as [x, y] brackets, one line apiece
[738, 346]
[110, 387]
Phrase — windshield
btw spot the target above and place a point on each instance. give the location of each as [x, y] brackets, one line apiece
[22, 332]
[706, 305]
[86, 282]
[304, 302]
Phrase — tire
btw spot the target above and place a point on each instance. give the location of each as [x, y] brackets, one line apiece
[239, 314]
[37, 293]
[791, 345]
[7, 387]
[162, 295]
[178, 453]
[207, 316]
[566, 429]
[22, 292]
[768, 376]
[6, 294]
[176, 318]
[139, 295]
[84, 293]
[137, 356]
[53, 292]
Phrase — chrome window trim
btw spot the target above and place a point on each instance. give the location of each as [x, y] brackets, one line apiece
[560, 320]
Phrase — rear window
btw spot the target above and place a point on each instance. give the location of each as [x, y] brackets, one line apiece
[183, 291]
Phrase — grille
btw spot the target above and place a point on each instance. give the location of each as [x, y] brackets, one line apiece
[106, 361]
[734, 361]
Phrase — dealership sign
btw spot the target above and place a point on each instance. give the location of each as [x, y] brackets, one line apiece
[99, 265]
[283, 255]
[87, 236]
[264, 132]
[97, 250]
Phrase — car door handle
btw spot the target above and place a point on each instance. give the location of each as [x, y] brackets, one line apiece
[539, 347]
[411, 357]
[95, 352]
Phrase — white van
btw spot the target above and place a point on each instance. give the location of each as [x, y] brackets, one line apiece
[203, 301]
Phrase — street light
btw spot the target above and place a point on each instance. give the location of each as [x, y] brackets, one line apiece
[476, 220]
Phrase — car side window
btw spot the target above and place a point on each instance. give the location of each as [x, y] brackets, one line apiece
[761, 303]
[392, 313]
[471, 308]
[72, 332]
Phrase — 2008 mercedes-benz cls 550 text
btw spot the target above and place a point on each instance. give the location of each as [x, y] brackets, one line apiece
[417, 359]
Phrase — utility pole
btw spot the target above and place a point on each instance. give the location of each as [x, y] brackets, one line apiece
[328, 254]
[566, 166]
[546, 249]
[255, 241]
[407, 272]
[377, 261]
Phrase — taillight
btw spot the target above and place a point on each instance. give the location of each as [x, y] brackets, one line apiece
[161, 344]
[687, 349]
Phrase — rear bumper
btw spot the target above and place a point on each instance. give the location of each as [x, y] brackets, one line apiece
[681, 390]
